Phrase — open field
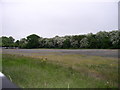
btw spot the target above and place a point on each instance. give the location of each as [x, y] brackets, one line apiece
[54, 68]
[91, 52]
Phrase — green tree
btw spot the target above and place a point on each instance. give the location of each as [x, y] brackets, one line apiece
[33, 41]
[16, 44]
[84, 43]
[22, 43]
[75, 41]
[92, 41]
[7, 41]
[103, 40]
[66, 43]
[115, 39]
[99, 40]
[11, 41]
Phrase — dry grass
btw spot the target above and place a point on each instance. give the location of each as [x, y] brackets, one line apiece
[102, 68]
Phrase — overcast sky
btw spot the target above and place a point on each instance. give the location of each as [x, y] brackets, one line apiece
[48, 18]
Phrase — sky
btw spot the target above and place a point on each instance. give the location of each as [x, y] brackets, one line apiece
[48, 18]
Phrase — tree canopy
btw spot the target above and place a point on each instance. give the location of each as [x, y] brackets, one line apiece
[100, 40]
[32, 41]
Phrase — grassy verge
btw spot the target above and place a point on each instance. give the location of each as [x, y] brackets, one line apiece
[29, 72]
[0, 62]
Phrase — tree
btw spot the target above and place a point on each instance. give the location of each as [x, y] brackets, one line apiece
[41, 40]
[50, 43]
[92, 41]
[74, 44]
[103, 39]
[99, 40]
[115, 39]
[33, 41]
[58, 41]
[55, 41]
[75, 40]
[47, 43]
[16, 44]
[7, 41]
[66, 43]
[11, 41]
[84, 43]
[0, 41]
[23, 43]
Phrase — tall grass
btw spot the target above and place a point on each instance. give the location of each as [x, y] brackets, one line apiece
[29, 72]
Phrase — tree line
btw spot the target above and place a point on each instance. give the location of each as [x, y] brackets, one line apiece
[100, 40]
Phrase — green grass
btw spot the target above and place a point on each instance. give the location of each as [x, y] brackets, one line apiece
[64, 72]
[0, 60]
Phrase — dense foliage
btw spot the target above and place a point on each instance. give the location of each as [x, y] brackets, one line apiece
[99, 40]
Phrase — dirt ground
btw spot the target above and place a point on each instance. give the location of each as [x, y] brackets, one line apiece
[91, 52]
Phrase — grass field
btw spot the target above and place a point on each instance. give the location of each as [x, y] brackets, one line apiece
[54, 70]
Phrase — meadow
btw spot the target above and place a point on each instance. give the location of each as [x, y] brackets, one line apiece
[52, 69]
